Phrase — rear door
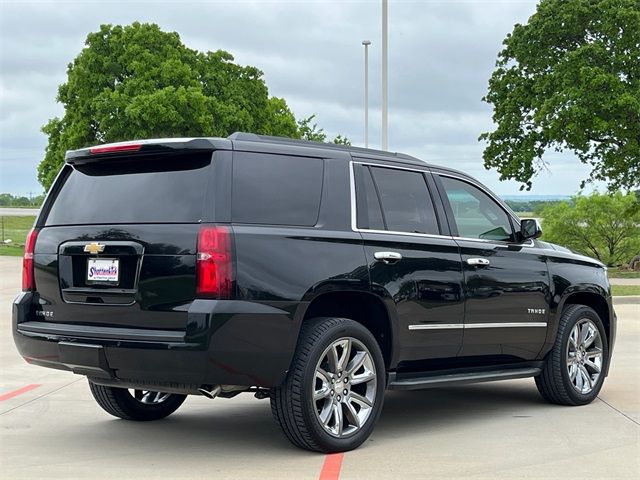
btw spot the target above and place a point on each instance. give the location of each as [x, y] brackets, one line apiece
[506, 283]
[410, 262]
[117, 240]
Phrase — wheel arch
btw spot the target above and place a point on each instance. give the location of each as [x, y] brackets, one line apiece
[592, 300]
[363, 307]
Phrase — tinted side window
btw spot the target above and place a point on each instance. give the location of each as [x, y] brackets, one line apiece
[406, 203]
[476, 214]
[276, 189]
[368, 204]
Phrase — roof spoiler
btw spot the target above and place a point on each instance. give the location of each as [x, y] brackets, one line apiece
[144, 148]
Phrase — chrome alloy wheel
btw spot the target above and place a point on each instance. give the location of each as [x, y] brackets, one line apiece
[344, 387]
[584, 355]
[148, 397]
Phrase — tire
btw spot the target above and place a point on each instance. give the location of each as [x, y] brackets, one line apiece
[142, 405]
[313, 424]
[564, 362]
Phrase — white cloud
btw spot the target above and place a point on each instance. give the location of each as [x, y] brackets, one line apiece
[441, 54]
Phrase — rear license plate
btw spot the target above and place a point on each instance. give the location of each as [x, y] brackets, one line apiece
[103, 270]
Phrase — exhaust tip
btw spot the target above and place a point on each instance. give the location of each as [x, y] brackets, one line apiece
[210, 391]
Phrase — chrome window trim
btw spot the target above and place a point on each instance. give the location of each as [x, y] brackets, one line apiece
[352, 187]
[382, 165]
[354, 218]
[528, 243]
[453, 326]
[406, 234]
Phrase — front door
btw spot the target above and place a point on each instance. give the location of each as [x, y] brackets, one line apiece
[411, 264]
[506, 284]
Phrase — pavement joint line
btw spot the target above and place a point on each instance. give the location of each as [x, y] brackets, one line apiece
[18, 391]
[620, 412]
[331, 467]
[40, 396]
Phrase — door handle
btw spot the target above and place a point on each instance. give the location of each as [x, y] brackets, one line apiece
[388, 257]
[478, 262]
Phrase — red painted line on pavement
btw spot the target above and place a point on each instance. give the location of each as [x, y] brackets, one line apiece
[20, 391]
[331, 468]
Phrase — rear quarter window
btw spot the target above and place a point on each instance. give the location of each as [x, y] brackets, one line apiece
[153, 190]
[276, 189]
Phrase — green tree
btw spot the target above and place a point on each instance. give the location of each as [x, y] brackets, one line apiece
[603, 226]
[309, 130]
[569, 79]
[282, 122]
[340, 140]
[8, 200]
[138, 81]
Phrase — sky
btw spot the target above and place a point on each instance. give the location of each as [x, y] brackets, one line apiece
[441, 55]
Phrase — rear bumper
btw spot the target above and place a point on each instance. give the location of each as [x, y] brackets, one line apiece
[225, 343]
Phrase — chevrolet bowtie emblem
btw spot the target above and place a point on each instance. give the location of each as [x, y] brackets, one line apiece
[94, 248]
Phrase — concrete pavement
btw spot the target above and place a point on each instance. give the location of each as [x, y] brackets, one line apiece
[18, 212]
[492, 430]
[624, 281]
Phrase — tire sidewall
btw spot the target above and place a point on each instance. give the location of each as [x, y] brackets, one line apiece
[577, 315]
[347, 328]
[144, 411]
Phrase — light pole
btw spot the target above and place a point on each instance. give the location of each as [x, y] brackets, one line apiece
[366, 44]
[384, 74]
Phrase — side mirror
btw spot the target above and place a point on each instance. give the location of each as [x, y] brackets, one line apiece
[530, 228]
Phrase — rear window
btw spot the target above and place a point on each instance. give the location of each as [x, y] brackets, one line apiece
[161, 189]
[276, 189]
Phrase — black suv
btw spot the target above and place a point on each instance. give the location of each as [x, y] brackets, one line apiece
[316, 275]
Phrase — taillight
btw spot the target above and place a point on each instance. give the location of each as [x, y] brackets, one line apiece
[214, 264]
[28, 280]
[123, 147]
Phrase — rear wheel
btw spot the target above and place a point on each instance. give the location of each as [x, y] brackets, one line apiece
[333, 393]
[139, 405]
[574, 369]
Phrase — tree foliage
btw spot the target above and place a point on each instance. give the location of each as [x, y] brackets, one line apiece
[309, 130]
[569, 80]
[603, 226]
[533, 206]
[9, 200]
[138, 81]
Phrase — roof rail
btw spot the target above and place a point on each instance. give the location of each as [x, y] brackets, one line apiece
[254, 137]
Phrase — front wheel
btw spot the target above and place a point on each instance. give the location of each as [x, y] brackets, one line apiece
[333, 393]
[574, 369]
[139, 405]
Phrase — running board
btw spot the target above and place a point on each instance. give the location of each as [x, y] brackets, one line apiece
[435, 380]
